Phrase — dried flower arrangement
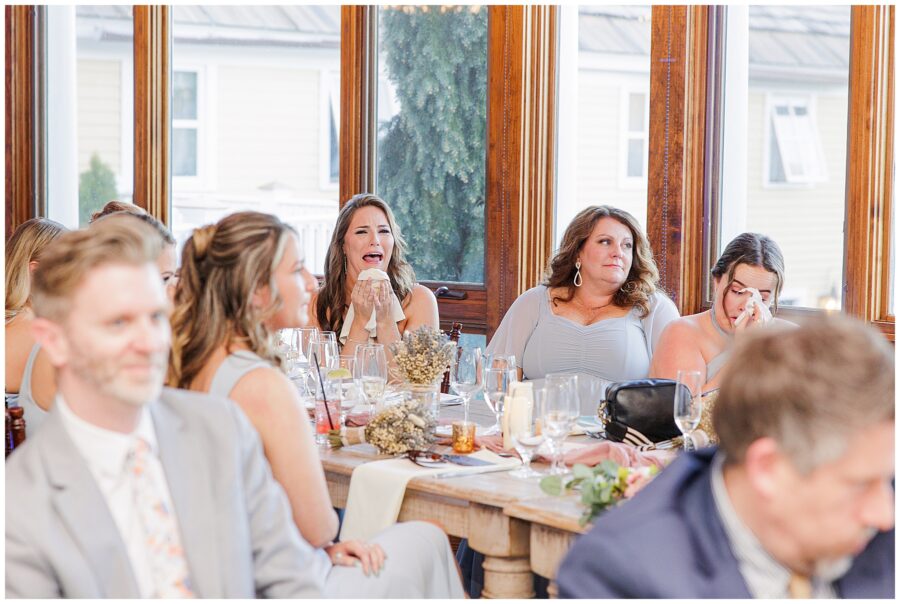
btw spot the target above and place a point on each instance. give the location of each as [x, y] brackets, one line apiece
[395, 430]
[422, 357]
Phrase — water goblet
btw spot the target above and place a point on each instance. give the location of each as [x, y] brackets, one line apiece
[527, 437]
[688, 404]
[559, 413]
[496, 386]
[371, 367]
[466, 375]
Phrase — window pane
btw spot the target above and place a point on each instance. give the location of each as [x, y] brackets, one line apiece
[89, 109]
[604, 83]
[253, 119]
[636, 112]
[785, 139]
[635, 158]
[184, 95]
[184, 151]
[432, 117]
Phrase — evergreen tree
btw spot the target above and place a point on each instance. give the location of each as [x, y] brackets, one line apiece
[96, 186]
[431, 163]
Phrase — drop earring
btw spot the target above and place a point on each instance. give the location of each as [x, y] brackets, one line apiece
[578, 280]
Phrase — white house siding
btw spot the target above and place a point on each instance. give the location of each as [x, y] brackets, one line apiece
[599, 137]
[99, 113]
[807, 221]
[268, 129]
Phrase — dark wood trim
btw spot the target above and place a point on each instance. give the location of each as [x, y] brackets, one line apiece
[20, 106]
[870, 145]
[357, 100]
[678, 79]
[151, 110]
[520, 151]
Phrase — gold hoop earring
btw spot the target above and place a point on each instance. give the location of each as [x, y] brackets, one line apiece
[578, 281]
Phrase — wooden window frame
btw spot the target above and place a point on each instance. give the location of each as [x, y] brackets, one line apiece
[870, 157]
[685, 134]
[152, 56]
[21, 199]
[520, 151]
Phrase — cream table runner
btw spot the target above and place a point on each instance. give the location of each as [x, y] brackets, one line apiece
[377, 489]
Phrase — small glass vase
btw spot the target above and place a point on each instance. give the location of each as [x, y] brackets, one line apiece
[428, 396]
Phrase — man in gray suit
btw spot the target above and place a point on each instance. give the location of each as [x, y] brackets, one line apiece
[129, 489]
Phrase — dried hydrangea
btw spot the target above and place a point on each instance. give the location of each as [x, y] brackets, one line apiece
[422, 357]
[400, 428]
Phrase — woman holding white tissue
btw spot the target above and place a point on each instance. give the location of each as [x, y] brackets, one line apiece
[370, 294]
[748, 277]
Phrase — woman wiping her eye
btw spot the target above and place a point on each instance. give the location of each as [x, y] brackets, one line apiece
[748, 278]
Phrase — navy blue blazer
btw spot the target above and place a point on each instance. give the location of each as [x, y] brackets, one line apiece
[669, 542]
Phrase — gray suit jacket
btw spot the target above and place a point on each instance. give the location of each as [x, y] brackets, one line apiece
[236, 526]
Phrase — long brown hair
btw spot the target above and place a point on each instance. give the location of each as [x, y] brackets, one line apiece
[25, 246]
[641, 281]
[756, 250]
[333, 295]
[222, 267]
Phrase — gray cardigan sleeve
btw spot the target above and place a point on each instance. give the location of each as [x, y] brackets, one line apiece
[518, 324]
[662, 312]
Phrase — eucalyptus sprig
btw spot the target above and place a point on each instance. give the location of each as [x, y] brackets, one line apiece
[602, 486]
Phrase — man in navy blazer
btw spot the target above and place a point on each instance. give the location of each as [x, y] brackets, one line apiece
[797, 500]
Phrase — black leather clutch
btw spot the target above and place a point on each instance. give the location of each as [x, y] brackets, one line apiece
[640, 412]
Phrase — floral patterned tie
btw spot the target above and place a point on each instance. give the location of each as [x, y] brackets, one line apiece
[163, 544]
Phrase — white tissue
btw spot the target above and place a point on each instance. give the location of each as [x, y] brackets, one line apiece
[378, 276]
[755, 302]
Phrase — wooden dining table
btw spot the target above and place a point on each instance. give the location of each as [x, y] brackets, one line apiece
[518, 527]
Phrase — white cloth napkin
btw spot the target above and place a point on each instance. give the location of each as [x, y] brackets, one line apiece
[396, 310]
[377, 489]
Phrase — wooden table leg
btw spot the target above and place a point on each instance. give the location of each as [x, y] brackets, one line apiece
[504, 541]
[507, 578]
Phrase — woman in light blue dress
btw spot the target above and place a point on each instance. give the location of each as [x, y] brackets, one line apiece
[598, 313]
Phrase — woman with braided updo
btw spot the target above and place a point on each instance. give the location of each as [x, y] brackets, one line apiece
[243, 279]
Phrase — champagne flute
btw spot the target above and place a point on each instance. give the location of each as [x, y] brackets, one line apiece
[496, 386]
[688, 404]
[372, 370]
[560, 411]
[527, 436]
[466, 375]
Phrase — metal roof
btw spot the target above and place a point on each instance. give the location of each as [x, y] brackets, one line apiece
[781, 36]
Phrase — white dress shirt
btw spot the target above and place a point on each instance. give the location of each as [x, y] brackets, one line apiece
[105, 453]
[764, 575]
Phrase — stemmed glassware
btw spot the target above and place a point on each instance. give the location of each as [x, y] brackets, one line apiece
[466, 375]
[496, 387]
[298, 361]
[371, 369]
[527, 436]
[560, 412]
[688, 405]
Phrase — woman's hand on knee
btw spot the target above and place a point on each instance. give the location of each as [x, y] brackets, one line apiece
[350, 553]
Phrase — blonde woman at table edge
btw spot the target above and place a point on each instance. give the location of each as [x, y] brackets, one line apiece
[242, 279]
[367, 236]
[703, 342]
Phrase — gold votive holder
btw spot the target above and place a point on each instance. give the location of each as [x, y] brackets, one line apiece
[463, 437]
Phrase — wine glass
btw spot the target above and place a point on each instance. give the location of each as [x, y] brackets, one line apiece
[560, 411]
[346, 374]
[688, 404]
[371, 367]
[466, 375]
[496, 386]
[298, 370]
[527, 436]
